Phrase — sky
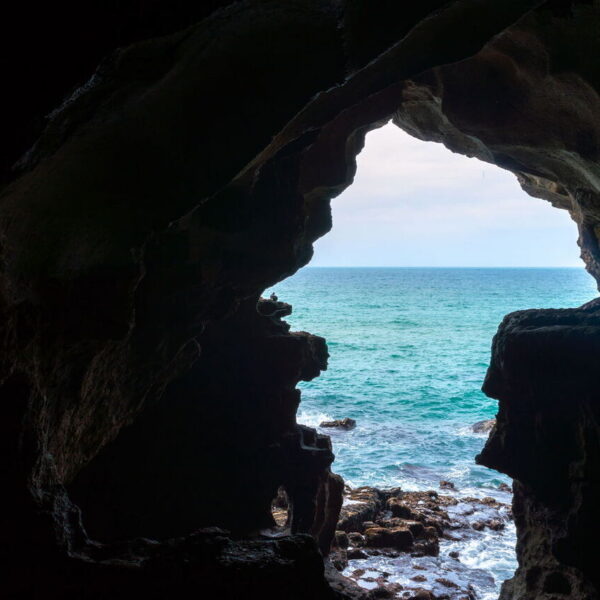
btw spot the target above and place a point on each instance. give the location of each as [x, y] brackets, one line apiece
[416, 203]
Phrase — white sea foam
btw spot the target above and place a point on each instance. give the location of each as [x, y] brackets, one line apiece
[312, 419]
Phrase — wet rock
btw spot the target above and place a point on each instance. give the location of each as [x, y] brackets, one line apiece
[428, 548]
[345, 424]
[339, 559]
[421, 594]
[360, 505]
[483, 426]
[415, 527]
[429, 520]
[504, 487]
[447, 485]
[396, 537]
[495, 524]
[432, 516]
[356, 539]
[380, 592]
[489, 501]
[399, 509]
[446, 582]
[341, 539]
[356, 554]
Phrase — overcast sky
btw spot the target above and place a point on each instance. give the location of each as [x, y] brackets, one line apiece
[415, 203]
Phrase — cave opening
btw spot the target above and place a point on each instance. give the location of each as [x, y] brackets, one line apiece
[429, 251]
[150, 395]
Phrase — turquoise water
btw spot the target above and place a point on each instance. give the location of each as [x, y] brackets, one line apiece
[409, 348]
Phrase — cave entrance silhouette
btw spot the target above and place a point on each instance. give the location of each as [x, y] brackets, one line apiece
[409, 348]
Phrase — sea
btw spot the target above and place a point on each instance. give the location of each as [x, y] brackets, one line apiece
[409, 349]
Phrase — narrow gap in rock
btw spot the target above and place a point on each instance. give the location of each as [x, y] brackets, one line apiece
[281, 509]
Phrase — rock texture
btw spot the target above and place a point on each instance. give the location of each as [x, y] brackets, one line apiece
[142, 392]
[394, 538]
[345, 423]
[483, 426]
[223, 436]
[545, 375]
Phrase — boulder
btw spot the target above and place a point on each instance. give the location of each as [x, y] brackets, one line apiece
[399, 509]
[399, 538]
[356, 539]
[483, 426]
[421, 594]
[380, 592]
[356, 554]
[339, 559]
[345, 423]
[341, 539]
[363, 504]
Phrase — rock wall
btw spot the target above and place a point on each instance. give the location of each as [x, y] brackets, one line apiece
[143, 395]
[544, 373]
[220, 442]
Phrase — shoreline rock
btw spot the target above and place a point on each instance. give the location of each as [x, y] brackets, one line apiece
[483, 426]
[345, 423]
[391, 523]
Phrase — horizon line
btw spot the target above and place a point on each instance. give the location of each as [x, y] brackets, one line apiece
[309, 266]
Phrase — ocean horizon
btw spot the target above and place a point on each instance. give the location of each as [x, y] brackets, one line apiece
[437, 267]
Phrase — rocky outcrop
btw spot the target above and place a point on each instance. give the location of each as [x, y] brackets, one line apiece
[191, 171]
[483, 426]
[388, 534]
[181, 440]
[345, 423]
[545, 375]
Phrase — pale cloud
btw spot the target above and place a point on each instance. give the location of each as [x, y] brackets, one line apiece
[416, 203]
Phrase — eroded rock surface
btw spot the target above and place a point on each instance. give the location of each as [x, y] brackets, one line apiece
[345, 423]
[193, 170]
[224, 437]
[483, 426]
[545, 375]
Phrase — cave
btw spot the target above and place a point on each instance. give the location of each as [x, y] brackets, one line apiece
[147, 204]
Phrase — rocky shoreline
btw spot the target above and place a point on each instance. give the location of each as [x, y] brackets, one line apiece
[403, 544]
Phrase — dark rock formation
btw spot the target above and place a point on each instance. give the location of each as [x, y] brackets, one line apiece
[193, 170]
[483, 426]
[447, 485]
[345, 423]
[545, 375]
[362, 504]
[399, 538]
[216, 479]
